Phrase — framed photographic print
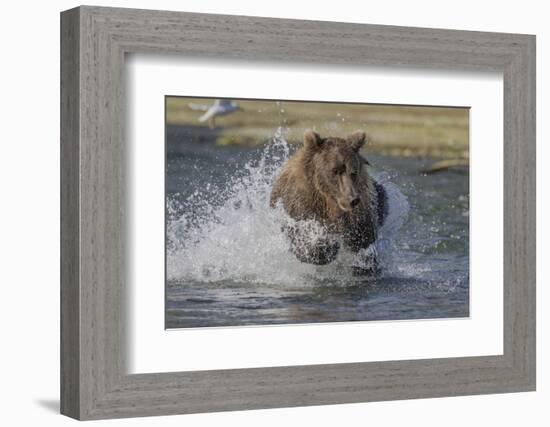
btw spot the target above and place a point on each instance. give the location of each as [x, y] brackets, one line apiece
[262, 213]
[263, 231]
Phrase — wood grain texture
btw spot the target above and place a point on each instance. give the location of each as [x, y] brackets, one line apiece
[70, 292]
[95, 274]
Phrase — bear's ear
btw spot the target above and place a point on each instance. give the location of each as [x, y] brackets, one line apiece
[312, 140]
[357, 139]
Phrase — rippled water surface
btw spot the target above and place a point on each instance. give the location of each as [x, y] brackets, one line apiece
[228, 263]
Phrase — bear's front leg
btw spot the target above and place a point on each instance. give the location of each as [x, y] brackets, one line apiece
[359, 237]
[310, 247]
[321, 253]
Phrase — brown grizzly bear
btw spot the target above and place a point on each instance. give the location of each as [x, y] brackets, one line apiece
[326, 181]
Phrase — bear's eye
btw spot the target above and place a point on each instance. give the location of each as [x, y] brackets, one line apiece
[337, 171]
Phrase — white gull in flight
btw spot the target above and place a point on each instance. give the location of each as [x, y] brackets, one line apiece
[221, 107]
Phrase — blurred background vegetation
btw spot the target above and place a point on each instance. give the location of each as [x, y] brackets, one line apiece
[437, 132]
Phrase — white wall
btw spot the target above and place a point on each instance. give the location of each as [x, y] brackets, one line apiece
[29, 226]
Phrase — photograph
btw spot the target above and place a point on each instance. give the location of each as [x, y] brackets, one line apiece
[297, 212]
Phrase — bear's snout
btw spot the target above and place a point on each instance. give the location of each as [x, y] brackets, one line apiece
[348, 203]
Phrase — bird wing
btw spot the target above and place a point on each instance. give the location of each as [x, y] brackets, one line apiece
[212, 111]
[198, 107]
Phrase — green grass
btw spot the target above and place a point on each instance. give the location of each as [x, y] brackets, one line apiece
[393, 130]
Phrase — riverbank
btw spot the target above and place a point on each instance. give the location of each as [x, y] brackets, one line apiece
[439, 132]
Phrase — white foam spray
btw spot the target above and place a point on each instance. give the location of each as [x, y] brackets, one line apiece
[235, 236]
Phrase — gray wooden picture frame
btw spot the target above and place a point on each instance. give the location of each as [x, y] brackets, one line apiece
[94, 381]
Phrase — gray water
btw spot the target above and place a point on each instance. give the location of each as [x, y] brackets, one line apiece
[228, 263]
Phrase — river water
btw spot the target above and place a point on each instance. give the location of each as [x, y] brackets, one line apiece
[228, 264]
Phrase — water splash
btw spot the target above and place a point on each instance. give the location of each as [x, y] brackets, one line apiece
[233, 235]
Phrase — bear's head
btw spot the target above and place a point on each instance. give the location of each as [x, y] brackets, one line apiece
[337, 167]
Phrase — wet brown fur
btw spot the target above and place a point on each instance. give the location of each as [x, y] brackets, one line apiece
[319, 182]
